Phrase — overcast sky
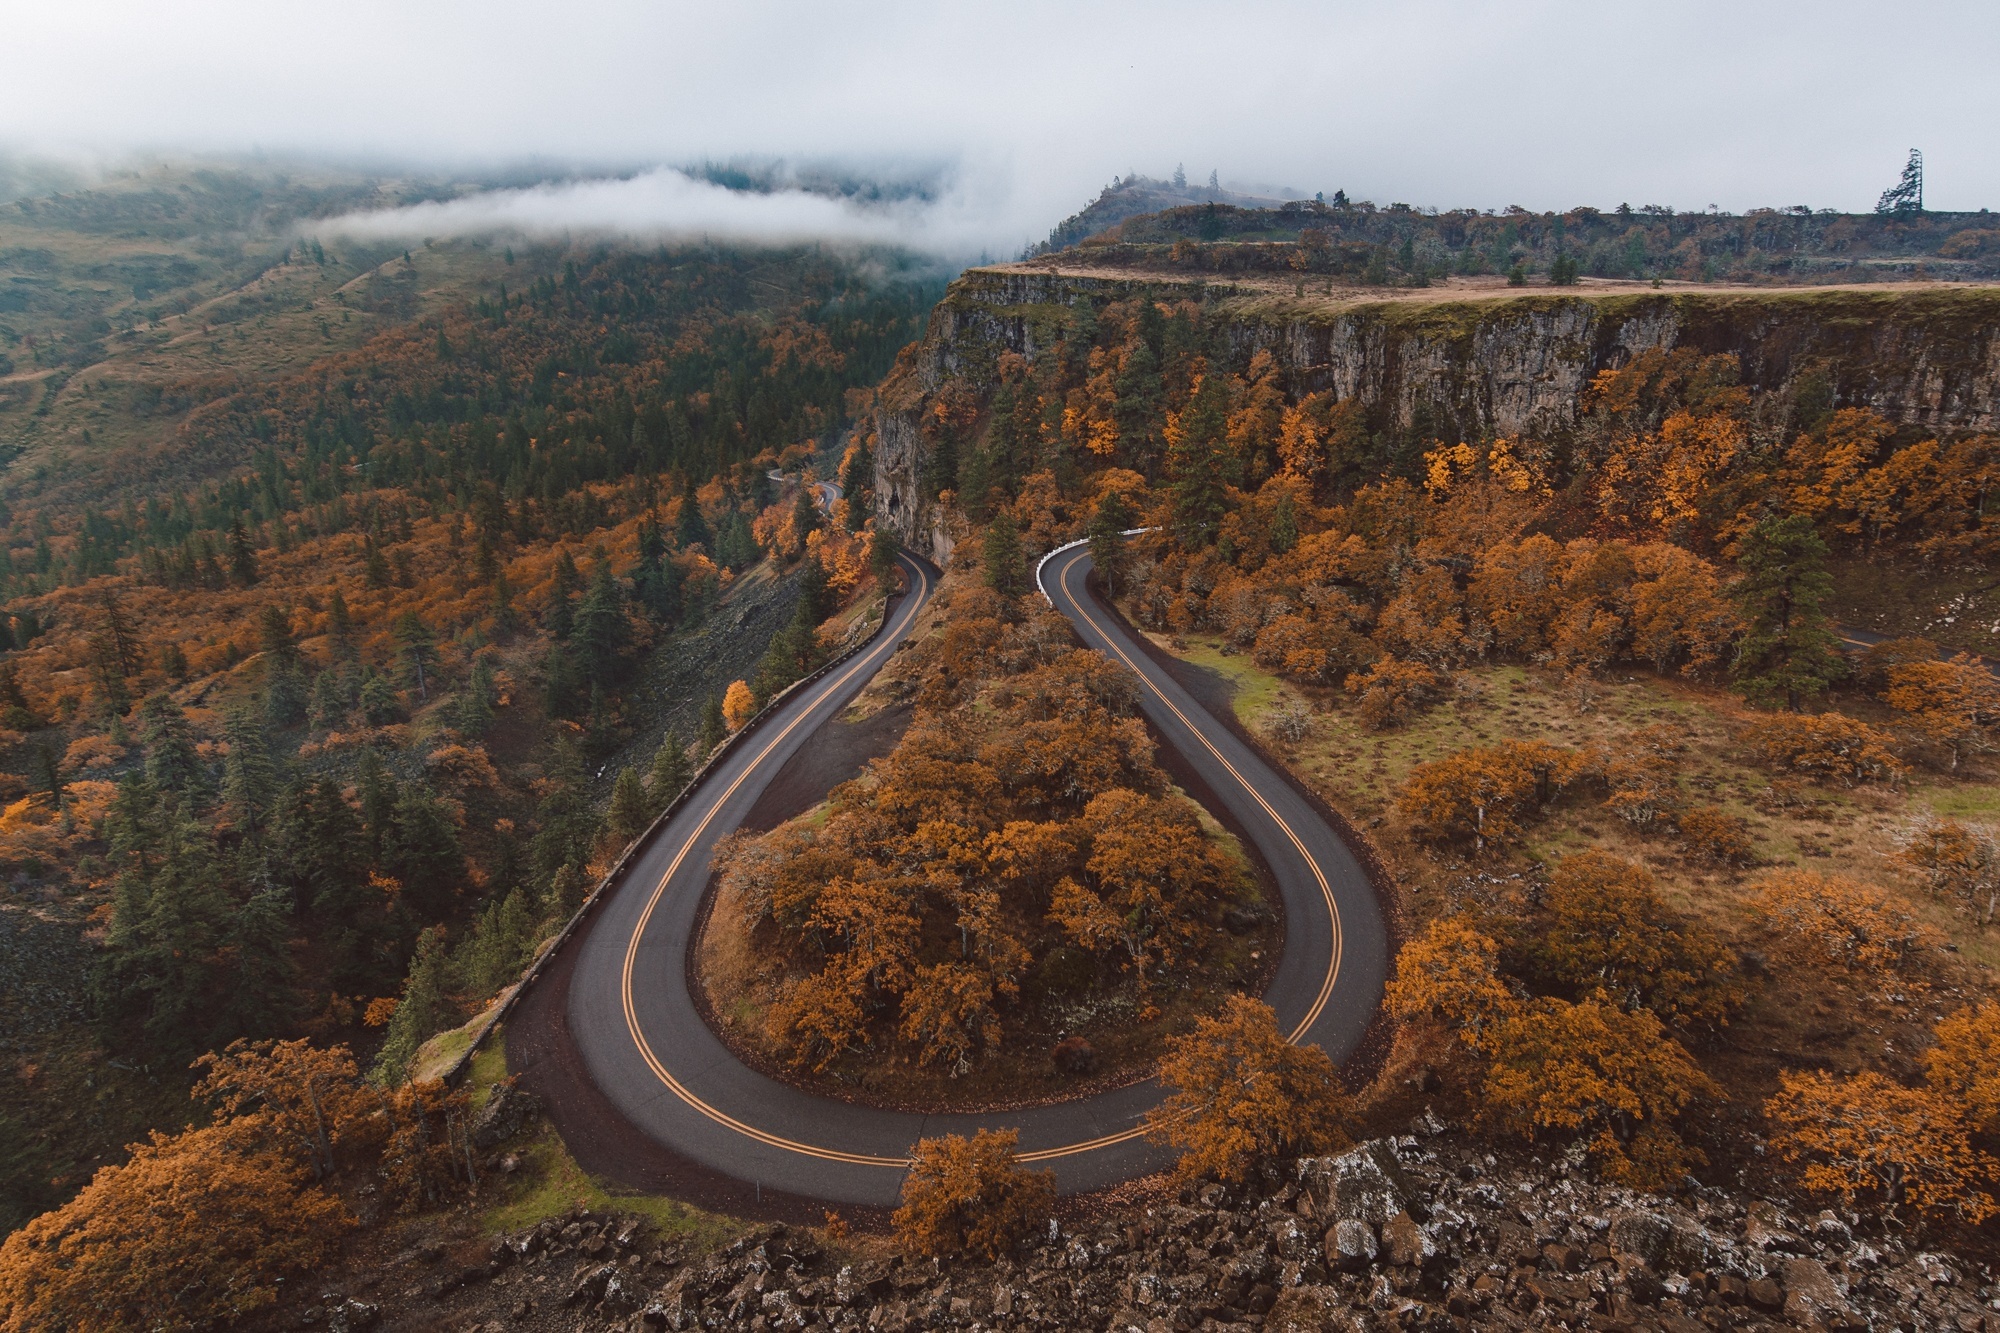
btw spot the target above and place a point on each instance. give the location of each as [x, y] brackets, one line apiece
[1035, 106]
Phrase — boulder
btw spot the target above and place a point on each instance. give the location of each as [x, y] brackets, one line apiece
[1662, 1242]
[1365, 1185]
[1350, 1245]
[1405, 1244]
[1812, 1299]
[507, 1112]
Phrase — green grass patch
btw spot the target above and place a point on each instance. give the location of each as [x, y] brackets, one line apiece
[1254, 690]
[550, 1183]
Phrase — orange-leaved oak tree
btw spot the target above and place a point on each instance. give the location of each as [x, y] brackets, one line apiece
[1244, 1097]
[971, 1196]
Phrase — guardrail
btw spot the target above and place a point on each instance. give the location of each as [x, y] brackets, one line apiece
[497, 1012]
[1071, 546]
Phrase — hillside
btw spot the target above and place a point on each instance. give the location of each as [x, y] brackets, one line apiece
[340, 591]
[1148, 224]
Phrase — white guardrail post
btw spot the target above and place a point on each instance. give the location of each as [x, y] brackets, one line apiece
[1042, 588]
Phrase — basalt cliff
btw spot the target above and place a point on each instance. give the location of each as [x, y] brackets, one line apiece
[1457, 363]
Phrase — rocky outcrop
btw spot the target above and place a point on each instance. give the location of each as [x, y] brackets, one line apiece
[1499, 365]
[1419, 1232]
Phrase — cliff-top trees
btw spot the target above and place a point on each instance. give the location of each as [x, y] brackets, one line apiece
[971, 1196]
[1244, 1097]
[1869, 1140]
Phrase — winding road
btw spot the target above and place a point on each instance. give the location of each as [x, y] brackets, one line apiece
[645, 1045]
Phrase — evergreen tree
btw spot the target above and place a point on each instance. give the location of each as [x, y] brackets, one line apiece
[249, 777]
[599, 634]
[326, 704]
[263, 995]
[421, 1013]
[422, 851]
[630, 812]
[287, 697]
[378, 791]
[418, 642]
[566, 826]
[274, 636]
[558, 619]
[882, 556]
[856, 478]
[119, 634]
[1199, 465]
[475, 702]
[1789, 649]
[340, 625]
[171, 759]
[242, 560]
[670, 770]
[1284, 525]
[379, 705]
[713, 728]
[690, 529]
[816, 599]
[805, 513]
[736, 548]
[1107, 546]
[1002, 561]
[499, 947]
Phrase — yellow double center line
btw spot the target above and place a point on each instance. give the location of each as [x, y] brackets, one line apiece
[1325, 888]
[750, 1131]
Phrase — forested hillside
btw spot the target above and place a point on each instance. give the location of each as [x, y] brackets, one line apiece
[310, 698]
[1654, 827]
[1142, 224]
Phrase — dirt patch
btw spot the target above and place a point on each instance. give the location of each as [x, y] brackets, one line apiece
[837, 751]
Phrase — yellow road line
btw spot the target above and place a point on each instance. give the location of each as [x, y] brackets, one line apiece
[1325, 888]
[720, 1117]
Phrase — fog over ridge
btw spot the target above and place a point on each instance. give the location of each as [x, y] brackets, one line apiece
[1030, 106]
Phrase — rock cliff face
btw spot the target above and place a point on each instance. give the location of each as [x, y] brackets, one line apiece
[1422, 1232]
[1497, 365]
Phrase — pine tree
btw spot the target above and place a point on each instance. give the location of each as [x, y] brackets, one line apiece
[805, 514]
[670, 771]
[326, 704]
[475, 702]
[882, 557]
[1199, 465]
[263, 982]
[1107, 545]
[418, 642]
[249, 777]
[599, 634]
[171, 759]
[340, 625]
[566, 825]
[422, 851]
[558, 619]
[378, 792]
[713, 728]
[1002, 561]
[1789, 650]
[421, 1013]
[816, 600]
[379, 705]
[630, 811]
[242, 560]
[855, 480]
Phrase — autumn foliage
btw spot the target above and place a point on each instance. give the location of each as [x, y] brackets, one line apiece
[1020, 815]
[971, 1196]
[1571, 1025]
[1244, 1097]
[1871, 1141]
[198, 1228]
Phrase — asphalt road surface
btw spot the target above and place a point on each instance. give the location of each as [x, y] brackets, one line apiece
[647, 1048]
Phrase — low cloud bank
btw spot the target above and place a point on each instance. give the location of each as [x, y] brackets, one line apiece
[665, 203]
